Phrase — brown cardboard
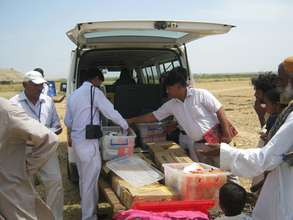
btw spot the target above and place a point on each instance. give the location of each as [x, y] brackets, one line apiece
[171, 156]
[110, 196]
[168, 152]
[161, 146]
[129, 194]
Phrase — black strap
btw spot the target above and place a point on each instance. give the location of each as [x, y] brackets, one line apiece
[92, 102]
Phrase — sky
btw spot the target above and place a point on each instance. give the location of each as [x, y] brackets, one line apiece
[32, 32]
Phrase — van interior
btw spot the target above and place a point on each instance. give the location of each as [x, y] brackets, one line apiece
[133, 77]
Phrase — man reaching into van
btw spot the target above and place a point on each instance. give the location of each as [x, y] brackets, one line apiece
[197, 111]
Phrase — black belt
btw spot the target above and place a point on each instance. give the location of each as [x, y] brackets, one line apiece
[202, 141]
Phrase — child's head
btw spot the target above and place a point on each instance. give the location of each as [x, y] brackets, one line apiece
[232, 198]
[272, 101]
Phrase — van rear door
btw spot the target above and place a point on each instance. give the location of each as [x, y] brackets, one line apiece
[154, 34]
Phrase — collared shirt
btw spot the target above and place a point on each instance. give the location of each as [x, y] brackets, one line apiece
[44, 110]
[237, 217]
[78, 112]
[45, 89]
[276, 197]
[196, 115]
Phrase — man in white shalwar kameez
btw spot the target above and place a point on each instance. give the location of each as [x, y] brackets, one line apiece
[275, 201]
[18, 199]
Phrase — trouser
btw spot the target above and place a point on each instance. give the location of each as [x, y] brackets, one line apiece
[50, 175]
[88, 162]
[213, 161]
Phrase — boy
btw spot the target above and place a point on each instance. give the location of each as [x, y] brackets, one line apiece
[232, 199]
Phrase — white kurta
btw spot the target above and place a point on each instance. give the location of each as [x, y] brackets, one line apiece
[18, 199]
[275, 201]
[87, 152]
[45, 112]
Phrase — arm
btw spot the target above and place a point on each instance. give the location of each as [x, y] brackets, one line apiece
[55, 124]
[214, 106]
[225, 125]
[44, 141]
[69, 140]
[68, 120]
[158, 115]
[253, 162]
[147, 118]
[59, 100]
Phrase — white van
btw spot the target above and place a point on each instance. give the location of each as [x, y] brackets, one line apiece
[144, 49]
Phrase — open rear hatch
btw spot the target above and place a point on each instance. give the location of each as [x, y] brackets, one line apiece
[155, 34]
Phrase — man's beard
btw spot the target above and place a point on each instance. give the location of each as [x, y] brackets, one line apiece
[287, 94]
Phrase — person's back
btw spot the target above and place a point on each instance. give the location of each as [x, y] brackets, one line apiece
[125, 78]
[18, 199]
[232, 199]
[82, 119]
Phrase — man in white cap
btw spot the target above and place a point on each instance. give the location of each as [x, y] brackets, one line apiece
[41, 108]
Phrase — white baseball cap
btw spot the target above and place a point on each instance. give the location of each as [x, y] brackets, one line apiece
[35, 77]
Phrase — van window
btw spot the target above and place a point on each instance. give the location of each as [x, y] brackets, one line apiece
[110, 76]
[145, 66]
[165, 67]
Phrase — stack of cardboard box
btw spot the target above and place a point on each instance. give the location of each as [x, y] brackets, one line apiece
[159, 153]
[129, 194]
[168, 152]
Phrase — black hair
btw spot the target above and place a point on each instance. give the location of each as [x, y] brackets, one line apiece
[176, 75]
[265, 81]
[40, 70]
[273, 96]
[92, 73]
[232, 198]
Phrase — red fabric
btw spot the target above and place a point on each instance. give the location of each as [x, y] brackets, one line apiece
[214, 135]
[133, 214]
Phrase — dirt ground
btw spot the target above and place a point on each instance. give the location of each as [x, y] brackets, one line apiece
[235, 95]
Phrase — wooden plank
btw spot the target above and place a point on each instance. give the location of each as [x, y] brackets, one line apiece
[110, 196]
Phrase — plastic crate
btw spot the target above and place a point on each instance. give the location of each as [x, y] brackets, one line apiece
[116, 146]
[194, 186]
[173, 206]
[152, 132]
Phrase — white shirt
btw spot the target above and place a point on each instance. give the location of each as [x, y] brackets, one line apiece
[78, 113]
[43, 111]
[45, 89]
[196, 115]
[276, 197]
[237, 217]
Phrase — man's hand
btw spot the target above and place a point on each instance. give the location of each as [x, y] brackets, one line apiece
[69, 141]
[211, 150]
[129, 131]
[226, 136]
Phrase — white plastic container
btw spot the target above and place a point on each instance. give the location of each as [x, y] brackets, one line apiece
[135, 171]
[152, 132]
[195, 186]
[119, 145]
